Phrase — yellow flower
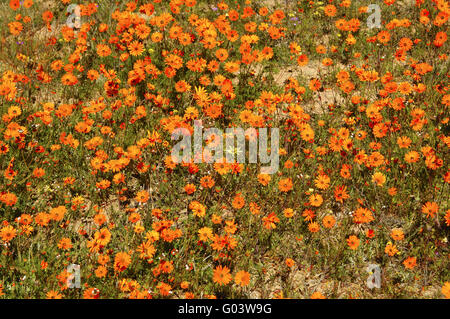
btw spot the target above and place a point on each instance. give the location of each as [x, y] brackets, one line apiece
[152, 235]
[378, 178]
[139, 228]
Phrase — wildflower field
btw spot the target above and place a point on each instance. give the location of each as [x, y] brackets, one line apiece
[94, 205]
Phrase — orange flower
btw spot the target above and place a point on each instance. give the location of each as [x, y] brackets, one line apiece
[362, 215]
[412, 157]
[69, 79]
[446, 290]
[375, 159]
[288, 212]
[15, 28]
[264, 179]
[157, 37]
[378, 178]
[314, 84]
[383, 36]
[353, 242]
[101, 271]
[302, 60]
[38, 172]
[316, 200]
[270, 221]
[197, 208]
[254, 208]
[182, 86]
[397, 234]
[221, 168]
[390, 249]
[447, 217]
[242, 278]
[136, 48]
[341, 24]
[317, 295]
[7, 233]
[92, 75]
[328, 221]
[340, 193]
[330, 10]
[189, 189]
[102, 237]
[285, 185]
[410, 262]
[440, 39]
[91, 293]
[9, 199]
[103, 50]
[207, 182]
[44, 265]
[403, 142]
[313, 227]
[222, 275]
[100, 219]
[14, 4]
[205, 234]
[238, 201]
[42, 219]
[52, 294]
[65, 244]
[263, 11]
[142, 196]
[121, 261]
[221, 54]
[233, 15]
[430, 209]
[4, 148]
[309, 215]
[404, 88]
[47, 16]
[290, 262]
[322, 181]
[57, 213]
